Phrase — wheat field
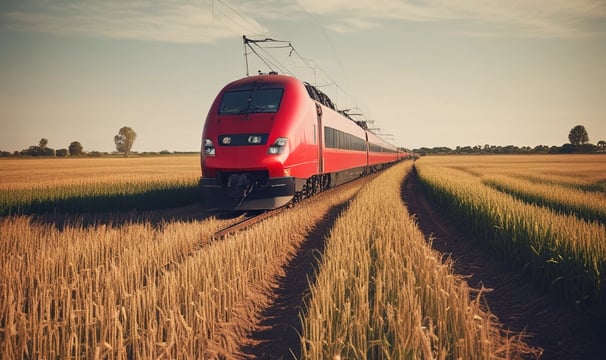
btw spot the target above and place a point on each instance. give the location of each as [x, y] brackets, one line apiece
[135, 287]
[544, 214]
[92, 185]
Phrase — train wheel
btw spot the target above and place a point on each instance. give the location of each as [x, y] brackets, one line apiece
[313, 185]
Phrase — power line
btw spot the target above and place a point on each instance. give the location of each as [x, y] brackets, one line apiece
[234, 11]
[273, 64]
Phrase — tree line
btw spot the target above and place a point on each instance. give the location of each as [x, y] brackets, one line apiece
[578, 144]
[124, 141]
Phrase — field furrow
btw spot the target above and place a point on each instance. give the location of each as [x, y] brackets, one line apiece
[561, 252]
[555, 329]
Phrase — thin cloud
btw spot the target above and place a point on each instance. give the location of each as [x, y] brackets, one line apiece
[209, 21]
[169, 21]
[530, 18]
[351, 25]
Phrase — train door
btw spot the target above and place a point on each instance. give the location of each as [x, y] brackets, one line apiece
[320, 139]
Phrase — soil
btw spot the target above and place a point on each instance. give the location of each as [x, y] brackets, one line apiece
[554, 330]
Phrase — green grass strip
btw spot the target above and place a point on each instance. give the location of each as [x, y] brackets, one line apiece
[99, 198]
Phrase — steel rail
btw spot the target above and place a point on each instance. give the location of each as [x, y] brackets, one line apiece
[246, 223]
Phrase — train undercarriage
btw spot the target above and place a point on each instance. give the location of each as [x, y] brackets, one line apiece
[255, 190]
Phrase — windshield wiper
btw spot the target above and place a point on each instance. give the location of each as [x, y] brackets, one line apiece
[250, 108]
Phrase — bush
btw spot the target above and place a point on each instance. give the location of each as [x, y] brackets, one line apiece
[62, 152]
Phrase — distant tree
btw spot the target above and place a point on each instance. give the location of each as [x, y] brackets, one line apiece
[39, 150]
[43, 149]
[578, 135]
[541, 148]
[31, 151]
[75, 148]
[125, 139]
[61, 152]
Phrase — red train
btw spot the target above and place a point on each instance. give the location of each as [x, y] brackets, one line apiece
[270, 138]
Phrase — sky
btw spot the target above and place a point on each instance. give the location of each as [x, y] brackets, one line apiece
[424, 73]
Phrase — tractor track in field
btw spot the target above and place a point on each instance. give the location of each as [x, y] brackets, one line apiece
[276, 332]
[276, 335]
[520, 306]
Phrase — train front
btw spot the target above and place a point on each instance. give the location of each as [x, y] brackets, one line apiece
[245, 144]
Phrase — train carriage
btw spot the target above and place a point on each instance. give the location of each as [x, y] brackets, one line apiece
[269, 138]
[381, 153]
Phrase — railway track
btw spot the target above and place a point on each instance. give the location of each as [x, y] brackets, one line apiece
[303, 196]
[250, 219]
[245, 223]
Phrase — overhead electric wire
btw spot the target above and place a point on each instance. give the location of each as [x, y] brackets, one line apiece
[269, 60]
[253, 25]
[260, 57]
[274, 64]
[284, 68]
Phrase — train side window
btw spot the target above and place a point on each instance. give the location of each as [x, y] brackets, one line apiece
[328, 137]
[337, 139]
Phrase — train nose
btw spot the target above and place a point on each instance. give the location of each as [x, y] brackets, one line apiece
[239, 185]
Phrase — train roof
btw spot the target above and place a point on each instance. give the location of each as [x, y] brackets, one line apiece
[275, 79]
[263, 80]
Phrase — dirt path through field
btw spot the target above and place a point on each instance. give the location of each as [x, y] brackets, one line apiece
[520, 306]
[276, 333]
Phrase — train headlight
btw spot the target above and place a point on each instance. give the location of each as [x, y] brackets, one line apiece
[208, 147]
[254, 139]
[278, 146]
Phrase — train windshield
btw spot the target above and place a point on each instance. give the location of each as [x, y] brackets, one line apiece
[251, 101]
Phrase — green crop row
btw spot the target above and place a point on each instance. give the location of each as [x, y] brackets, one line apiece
[562, 252]
[102, 196]
[597, 186]
[590, 206]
